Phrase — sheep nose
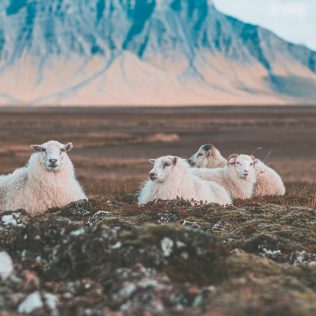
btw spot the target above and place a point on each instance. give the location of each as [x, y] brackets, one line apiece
[190, 161]
[52, 161]
[152, 176]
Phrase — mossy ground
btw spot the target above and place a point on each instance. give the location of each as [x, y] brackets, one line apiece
[107, 257]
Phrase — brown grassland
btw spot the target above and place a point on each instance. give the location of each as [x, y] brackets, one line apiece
[112, 145]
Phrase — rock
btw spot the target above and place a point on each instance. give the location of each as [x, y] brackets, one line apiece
[31, 303]
[6, 265]
[36, 301]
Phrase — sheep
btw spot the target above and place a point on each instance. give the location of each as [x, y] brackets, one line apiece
[171, 178]
[208, 156]
[238, 176]
[268, 181]
[47, 181]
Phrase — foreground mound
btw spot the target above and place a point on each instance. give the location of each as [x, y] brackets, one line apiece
[98, 257]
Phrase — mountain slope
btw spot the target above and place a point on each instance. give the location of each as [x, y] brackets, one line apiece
[144, 52]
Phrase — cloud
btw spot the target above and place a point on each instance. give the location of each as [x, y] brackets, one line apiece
[294, 20]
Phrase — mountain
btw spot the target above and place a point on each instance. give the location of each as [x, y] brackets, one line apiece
[144, 52]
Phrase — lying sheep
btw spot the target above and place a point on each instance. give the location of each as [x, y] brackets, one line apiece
[238, 176]
[268, 180]
[171, 178]
[208, 156]
[47, 181]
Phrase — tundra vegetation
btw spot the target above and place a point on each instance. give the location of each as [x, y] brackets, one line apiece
[111, 256]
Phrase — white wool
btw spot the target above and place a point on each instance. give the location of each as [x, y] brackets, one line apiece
[38, 187]
[268, 181]
[172, 178]
[231, 177]
[221, 195]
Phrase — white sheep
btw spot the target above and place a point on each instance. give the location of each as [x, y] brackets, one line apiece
[268, 180]
[47, 181]
[238, 176]
[207, 156]
[171, 178]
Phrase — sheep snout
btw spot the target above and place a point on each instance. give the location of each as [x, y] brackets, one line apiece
[153, 176]
[191, 162]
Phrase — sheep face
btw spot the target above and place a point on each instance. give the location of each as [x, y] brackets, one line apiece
[162, 168]
[52, 154]
[208, 156]
[243, 165]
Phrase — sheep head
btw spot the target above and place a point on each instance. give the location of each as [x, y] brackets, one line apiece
[207, 156]
[162, 168]
[52, 154]
[243, 165]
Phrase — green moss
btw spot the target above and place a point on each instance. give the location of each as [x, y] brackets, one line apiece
[249, 259]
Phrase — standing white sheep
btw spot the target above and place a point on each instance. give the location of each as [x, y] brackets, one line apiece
[207, 156]
[47, 181]
[268, 182]
[171, 178]
[238, 176]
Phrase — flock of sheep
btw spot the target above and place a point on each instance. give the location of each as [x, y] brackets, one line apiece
[48, 179]
[208, 177]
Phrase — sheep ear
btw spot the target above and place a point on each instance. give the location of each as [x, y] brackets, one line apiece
[36, 148]
[152, 161]
[212, 152]
[69, 147]
[232, 160]
[175, 159]
[254, 159]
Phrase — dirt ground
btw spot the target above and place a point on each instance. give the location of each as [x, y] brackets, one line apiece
[112, 145]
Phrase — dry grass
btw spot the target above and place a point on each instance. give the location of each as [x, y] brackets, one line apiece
[312, 202]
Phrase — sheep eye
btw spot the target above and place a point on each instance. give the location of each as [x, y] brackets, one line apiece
[63, 150]
[251, 164]
[167, 164]
[43, 150]
[199, 155]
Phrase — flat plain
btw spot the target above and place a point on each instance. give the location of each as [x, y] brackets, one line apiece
[113, 145]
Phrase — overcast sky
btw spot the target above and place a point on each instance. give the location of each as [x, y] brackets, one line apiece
[294, 20]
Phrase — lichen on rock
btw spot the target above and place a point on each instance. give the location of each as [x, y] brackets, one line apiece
[170, 257]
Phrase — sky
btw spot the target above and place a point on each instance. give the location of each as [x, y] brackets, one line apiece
[293, 20]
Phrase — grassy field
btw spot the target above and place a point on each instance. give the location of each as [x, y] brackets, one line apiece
[113, 145]
[109, 256]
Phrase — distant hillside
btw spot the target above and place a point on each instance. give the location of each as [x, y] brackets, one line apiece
[145, 52]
